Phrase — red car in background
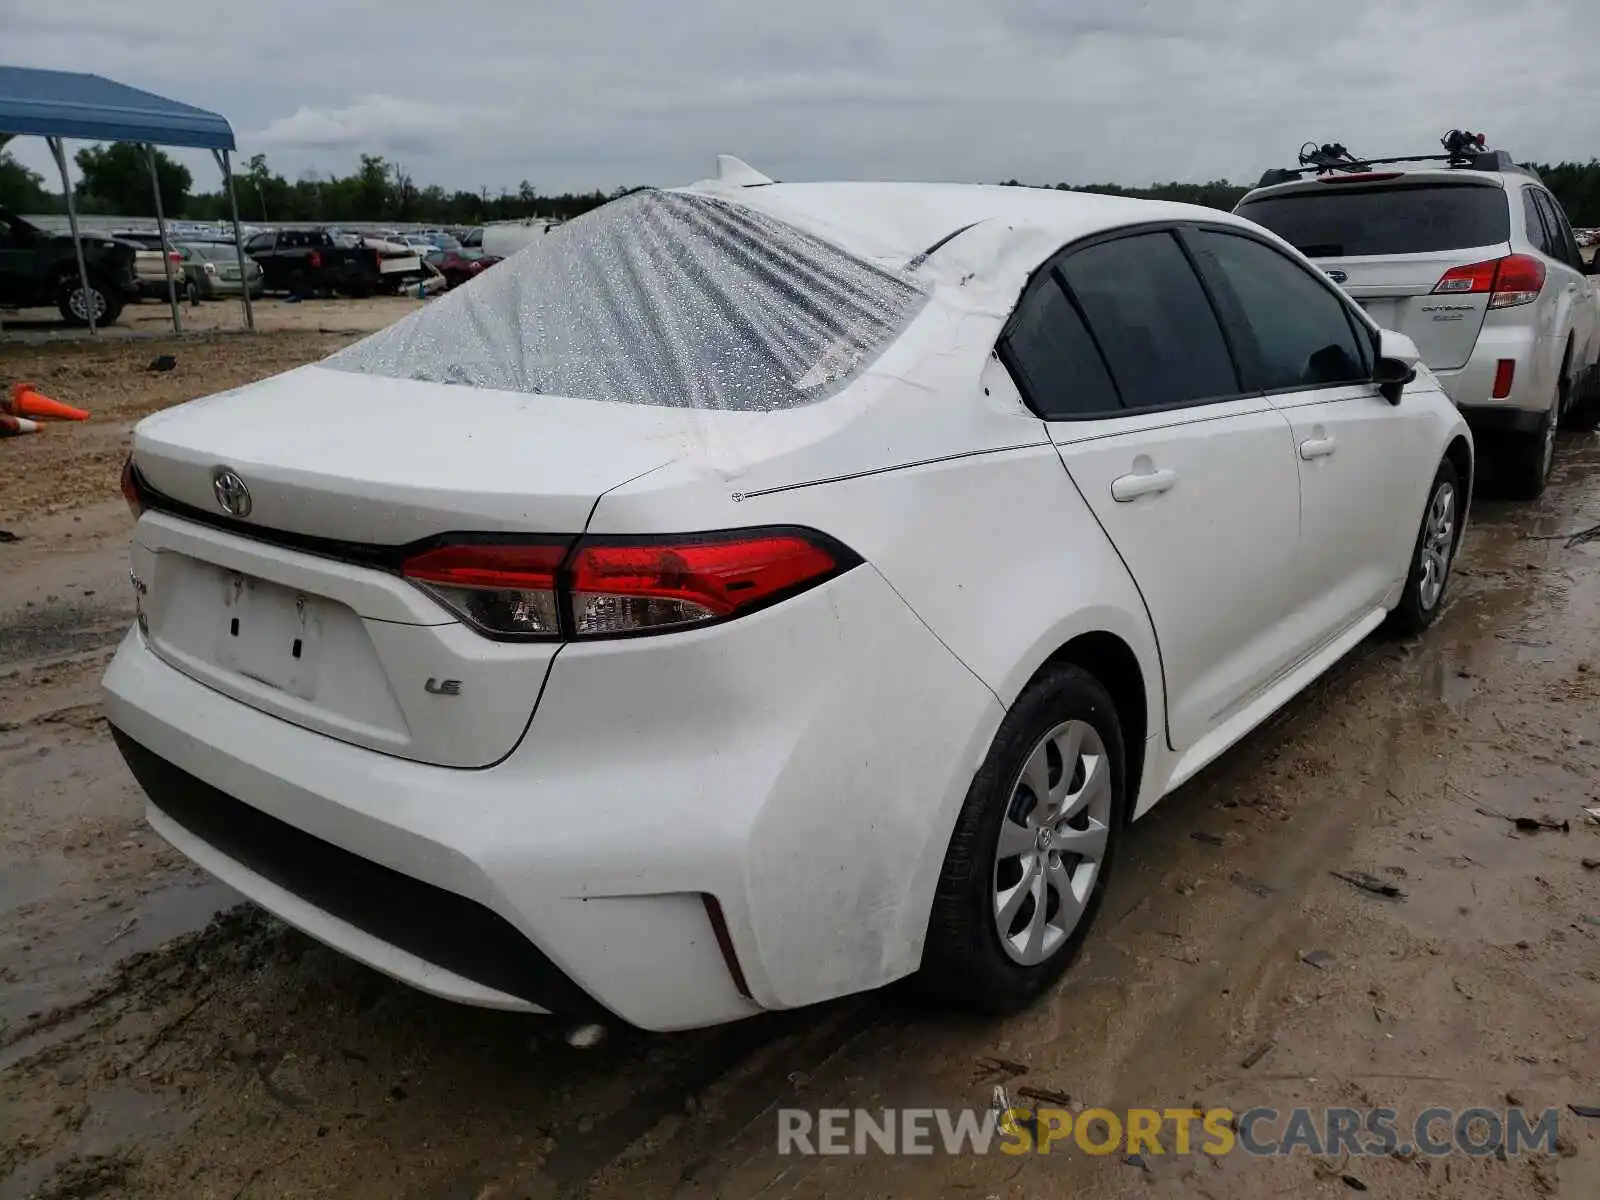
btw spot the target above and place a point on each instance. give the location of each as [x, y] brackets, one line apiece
[460, 266]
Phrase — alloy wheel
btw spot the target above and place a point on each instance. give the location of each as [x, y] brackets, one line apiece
[1438, 543]
[1053, 841]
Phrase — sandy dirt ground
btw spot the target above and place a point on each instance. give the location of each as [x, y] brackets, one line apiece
[274, 314]
[158, 1039]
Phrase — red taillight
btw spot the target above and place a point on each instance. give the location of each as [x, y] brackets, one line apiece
[624, 587]
[315, 259]
[174, 256]
[130, 489]
[506, 589]
[608, 586]
[1504, 372]
[1510, 281]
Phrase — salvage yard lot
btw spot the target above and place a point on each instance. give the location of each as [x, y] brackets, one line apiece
[148, 1050]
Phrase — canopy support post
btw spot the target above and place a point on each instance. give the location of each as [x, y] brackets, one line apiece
[161, 229]
[77, 239]
[238, 238]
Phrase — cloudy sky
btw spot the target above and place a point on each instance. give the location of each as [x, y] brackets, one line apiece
[600, 93]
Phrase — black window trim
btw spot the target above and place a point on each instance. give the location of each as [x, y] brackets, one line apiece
[1530, 200]
[1560, 232]
[1050, 270]
[1359, 324]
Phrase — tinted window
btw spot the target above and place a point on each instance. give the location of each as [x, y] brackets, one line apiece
[1538, 231]
[1061, 372]
[1344, 220]
[261, 241]
[1300, 328]
[1565, 245]
[1152, 321]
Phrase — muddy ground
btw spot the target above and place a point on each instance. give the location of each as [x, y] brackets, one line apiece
[151, 1049]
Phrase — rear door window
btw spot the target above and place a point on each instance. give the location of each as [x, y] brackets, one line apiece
[1539, 231]
[1565, 246]
[1152, 320]
[1057, 366]
[1300, 330]
[1349, 220]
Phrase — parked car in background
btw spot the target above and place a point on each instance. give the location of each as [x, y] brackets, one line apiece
[1473, 258]
[312, 262]
[472, 239]
[39, 269]
[399, 263]
[503, 239]
[211, 271]
[460, 266]
[150, 264]
[725, 521]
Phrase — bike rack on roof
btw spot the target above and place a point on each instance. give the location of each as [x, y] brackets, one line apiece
[1463, 151]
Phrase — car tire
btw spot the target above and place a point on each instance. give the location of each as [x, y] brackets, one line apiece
[69, 302]
[1584, 415]
[1433, 553]
[991, 947]
[1525, 463]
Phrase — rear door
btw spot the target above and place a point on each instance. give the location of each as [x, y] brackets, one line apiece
[1389, 242]
[1363, 462]
[1194, 482]
[1571, 291]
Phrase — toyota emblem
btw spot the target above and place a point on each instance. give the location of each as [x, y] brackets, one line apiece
[232, 495]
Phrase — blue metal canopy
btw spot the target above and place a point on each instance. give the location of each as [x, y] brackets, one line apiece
[66, 104]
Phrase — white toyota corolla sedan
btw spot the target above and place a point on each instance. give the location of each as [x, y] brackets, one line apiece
[754, 593]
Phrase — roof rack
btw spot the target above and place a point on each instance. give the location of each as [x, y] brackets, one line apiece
[1462, 151]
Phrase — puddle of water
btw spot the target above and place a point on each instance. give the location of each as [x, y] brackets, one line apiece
[65, 963]
[119, 1119]
[30, 880]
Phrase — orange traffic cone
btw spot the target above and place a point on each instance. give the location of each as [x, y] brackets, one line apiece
[26, 402]
[16, 426]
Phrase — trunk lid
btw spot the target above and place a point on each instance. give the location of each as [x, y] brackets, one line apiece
[337, 642]
[379, 461]
[1397, 292]
[1388, 241]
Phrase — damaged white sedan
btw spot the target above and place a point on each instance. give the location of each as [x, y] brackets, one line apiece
[754, 593]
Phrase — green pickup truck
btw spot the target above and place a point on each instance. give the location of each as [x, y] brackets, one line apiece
[39, 268]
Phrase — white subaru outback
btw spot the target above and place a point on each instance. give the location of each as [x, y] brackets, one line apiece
[1471, 256]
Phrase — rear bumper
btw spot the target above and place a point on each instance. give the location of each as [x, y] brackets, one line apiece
[802, 766]
[1487, 420]
[1471, 386]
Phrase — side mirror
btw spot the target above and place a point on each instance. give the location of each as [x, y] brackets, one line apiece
[1592, 267]
[1397, 364]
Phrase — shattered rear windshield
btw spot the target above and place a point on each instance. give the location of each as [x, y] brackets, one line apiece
[666, 298]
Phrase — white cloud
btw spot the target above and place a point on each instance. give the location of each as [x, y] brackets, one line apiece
[609, 92]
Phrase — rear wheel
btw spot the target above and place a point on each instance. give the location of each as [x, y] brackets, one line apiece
[1432, 555]
[1032, 849]
[1584, 414]
[1526, 461]
[75, 305]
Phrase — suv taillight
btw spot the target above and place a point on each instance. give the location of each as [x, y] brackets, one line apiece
[1510, 281]
[548, 588]
[315, 259]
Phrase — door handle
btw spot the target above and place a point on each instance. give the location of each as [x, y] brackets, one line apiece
[1317, 448]
[1150, 483]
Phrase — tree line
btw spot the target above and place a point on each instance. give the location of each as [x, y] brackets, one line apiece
[115, 179]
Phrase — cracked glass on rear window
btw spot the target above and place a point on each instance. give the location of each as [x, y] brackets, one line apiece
[1346, 220]
[667, 298]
